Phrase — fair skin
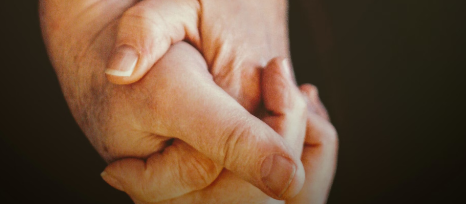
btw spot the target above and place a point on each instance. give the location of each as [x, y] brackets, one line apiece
[159, 186]
[237, 39]
[80, 36]
[283, 101]
[124, 121]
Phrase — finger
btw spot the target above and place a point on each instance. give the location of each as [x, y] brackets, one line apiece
[319, 159]
[286, 106]
[192, 108]
[319, 130]
[146, 31]
[311, 94]
[319, 153]
[283, 99]
[319, 164]
[178, 170]
[228, 188]
[285, 103]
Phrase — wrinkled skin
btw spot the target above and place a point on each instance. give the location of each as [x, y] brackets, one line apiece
[236, 38]
[282, 100]
[120, 123]
[143, 180]
[80, 36]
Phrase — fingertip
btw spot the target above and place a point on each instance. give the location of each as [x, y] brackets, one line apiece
[122, 63]
[314, 104]
[296, 184]
[309, 91]
[143, 36]
[112, 181]
[283, 66]
[124, 172]
[141, 68]
[126, 65]
[282, 176]
[121, 80]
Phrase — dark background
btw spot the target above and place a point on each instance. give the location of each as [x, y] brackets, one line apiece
[391, 74]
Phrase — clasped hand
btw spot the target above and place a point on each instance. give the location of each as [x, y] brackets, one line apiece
[201, 145]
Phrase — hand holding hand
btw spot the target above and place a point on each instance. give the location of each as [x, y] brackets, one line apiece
[237, 39]
[286, 116]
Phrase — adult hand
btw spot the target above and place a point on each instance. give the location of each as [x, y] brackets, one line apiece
[237, 38]
[282, 101]
[286, 114]
[182, 102]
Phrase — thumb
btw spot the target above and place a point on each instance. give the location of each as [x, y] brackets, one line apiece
[188, 105]
[146, 31]
[285, 106]
[212, 122]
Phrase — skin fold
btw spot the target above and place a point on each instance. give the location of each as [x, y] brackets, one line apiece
[119, 123]
[285, 105]
[171, 110]
[236, 38]
[143, 180]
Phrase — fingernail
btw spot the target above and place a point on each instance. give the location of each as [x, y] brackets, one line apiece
[277, 173]
[287, 68]
[112, 181]
[122, 62]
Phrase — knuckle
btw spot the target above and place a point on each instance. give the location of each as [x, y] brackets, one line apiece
[143, 19]
[232, 140]
[277, 61]
[199, 172]
[144, 29]
[132, 15]
[138, 12]
[309, 91]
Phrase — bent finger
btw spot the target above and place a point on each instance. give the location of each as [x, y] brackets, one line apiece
[284, 102]
[319, 129]
[178, 170]
[285, 106]
[197, 111]
[311, 95]
[319, 153]
[146, 31]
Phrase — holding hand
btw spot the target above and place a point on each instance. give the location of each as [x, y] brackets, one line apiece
[185, 103]
[237, 38]
[287, 116]
[137, 120]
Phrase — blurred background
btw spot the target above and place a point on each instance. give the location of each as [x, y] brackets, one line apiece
[391, 74]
